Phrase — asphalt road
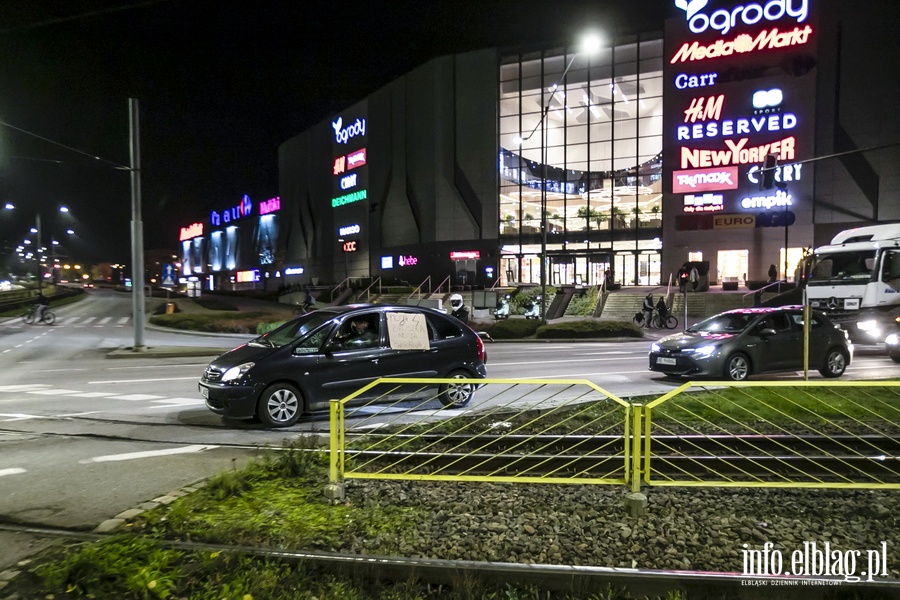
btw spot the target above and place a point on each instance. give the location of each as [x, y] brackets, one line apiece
[85, 437]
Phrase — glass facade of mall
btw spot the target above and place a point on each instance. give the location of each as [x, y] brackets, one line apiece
[601, 140]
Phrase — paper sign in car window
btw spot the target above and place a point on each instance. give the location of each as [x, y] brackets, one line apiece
[407, 331]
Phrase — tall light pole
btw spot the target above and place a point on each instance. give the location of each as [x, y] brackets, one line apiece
[589, 45]
[137, 227]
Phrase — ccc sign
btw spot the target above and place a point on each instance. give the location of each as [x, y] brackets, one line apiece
[350, 246]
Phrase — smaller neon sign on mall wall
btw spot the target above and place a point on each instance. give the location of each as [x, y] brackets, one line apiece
[270, 205]
[191, 231]
[349, 198]
[243, 209]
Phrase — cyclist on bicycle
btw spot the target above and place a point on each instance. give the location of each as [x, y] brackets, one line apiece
[40, 307]
[662, 309]
[647, 309]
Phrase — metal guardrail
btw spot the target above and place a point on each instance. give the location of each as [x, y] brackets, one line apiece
[818, 434]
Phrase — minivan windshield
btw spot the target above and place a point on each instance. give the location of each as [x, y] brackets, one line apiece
[843, 266]
[727, 323]
[293, 330]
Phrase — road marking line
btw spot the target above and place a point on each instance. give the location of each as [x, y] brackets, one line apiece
[52, 392]
[57, 370]
[136, 397]
[93, 394]
[70, 320]
[21, 417]
[197, 377]
[23, 387]
[81, 414]
[545, 362]
[172, 402]
[105, 320]
[123, 320]
[191, 365]
[146, 454]
[88, 320]
[13, 471]
[577, 375]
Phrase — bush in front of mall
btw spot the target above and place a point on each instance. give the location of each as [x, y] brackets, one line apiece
[224, 322]
[588, 329]
[509, 329]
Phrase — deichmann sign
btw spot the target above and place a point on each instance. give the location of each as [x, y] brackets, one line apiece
[723, 20]
[349, 198]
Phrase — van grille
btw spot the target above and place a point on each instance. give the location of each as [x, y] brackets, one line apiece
[212, 374]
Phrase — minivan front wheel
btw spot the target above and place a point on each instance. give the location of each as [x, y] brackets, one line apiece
[280, 405]
[456, 395]
[835, 363]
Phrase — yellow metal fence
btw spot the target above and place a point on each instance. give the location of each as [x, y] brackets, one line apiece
[748, 434]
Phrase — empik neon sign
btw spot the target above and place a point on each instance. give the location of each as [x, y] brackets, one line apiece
[737, 154]
[742, 44]
[724, 20]
[780, 199]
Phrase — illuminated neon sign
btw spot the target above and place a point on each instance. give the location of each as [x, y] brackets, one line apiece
[387, 262]
[407, 261]
[703, 203]
[348, 198]
[779, 200]
[348, 230]
[737, 154]
[723, 20]
[703, 109]
[234, 213]
[734, 221]
[743, 44]
[705, 180]
[684, 81]
[270, 205]
[465, 255]
[350, 246]
[699, 131]
[356, 159]
[293, 271]
[784, 173]
[342, 134]
[340, 165]
[247, 276]
[191, 231]
[348, 181]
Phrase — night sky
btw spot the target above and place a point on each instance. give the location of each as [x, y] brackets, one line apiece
[221, 84]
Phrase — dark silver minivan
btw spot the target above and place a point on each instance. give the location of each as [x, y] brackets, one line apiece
[330, 353]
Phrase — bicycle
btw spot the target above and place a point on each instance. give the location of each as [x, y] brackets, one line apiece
[657, 320]
[47, 317]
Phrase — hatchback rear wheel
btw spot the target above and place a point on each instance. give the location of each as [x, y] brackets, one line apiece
[280, 405]
[737, 368]
[456, 395]
[835, 363]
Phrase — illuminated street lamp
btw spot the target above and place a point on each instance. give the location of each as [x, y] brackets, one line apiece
[590, 44]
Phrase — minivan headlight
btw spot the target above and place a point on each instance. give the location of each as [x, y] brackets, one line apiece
[892, 340]
[867, 325]
[654, 347]
[235, 373]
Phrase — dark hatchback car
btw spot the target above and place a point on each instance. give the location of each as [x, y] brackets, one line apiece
[330, 353]
[738, 343]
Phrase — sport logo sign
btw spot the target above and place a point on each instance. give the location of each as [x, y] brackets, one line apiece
[724, 20]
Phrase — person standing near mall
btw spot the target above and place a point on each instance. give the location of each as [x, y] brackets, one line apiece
[773, 273]
[647, 309]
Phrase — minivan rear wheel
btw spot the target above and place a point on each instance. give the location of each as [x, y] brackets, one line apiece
[835, 363]
[280, 405]
[456, 395]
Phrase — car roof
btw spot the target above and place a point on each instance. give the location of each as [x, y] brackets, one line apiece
[348, 308]
[762, 310]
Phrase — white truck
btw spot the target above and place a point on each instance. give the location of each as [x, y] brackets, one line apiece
[855, 280]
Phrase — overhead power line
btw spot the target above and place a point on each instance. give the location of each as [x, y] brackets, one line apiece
[79, 16]
[61, 145]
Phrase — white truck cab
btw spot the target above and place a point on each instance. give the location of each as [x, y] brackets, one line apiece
[856, 281]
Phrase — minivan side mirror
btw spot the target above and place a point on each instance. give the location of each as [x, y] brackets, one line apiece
[767, 332]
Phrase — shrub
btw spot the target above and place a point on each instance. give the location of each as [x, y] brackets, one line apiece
[583, 304]
[511, 329]
[215, 304]
[589, 329]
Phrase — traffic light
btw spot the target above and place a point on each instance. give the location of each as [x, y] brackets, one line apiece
[767, 181]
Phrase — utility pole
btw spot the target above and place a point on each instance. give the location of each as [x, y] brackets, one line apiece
[137, 227]
[37, 254]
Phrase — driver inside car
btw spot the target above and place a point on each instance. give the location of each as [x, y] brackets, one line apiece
[359, 335]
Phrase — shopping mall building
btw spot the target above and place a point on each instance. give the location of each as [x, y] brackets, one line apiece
[627, 161]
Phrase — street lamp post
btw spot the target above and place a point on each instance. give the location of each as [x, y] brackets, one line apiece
[590, 44]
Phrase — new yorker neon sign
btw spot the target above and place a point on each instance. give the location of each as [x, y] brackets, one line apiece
[723, 20]
[737, 153]
[742, 44]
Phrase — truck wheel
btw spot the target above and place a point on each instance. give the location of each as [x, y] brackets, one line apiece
[895, 355]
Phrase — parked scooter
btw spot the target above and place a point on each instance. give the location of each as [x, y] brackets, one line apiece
[502, 310]
[533, 308]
